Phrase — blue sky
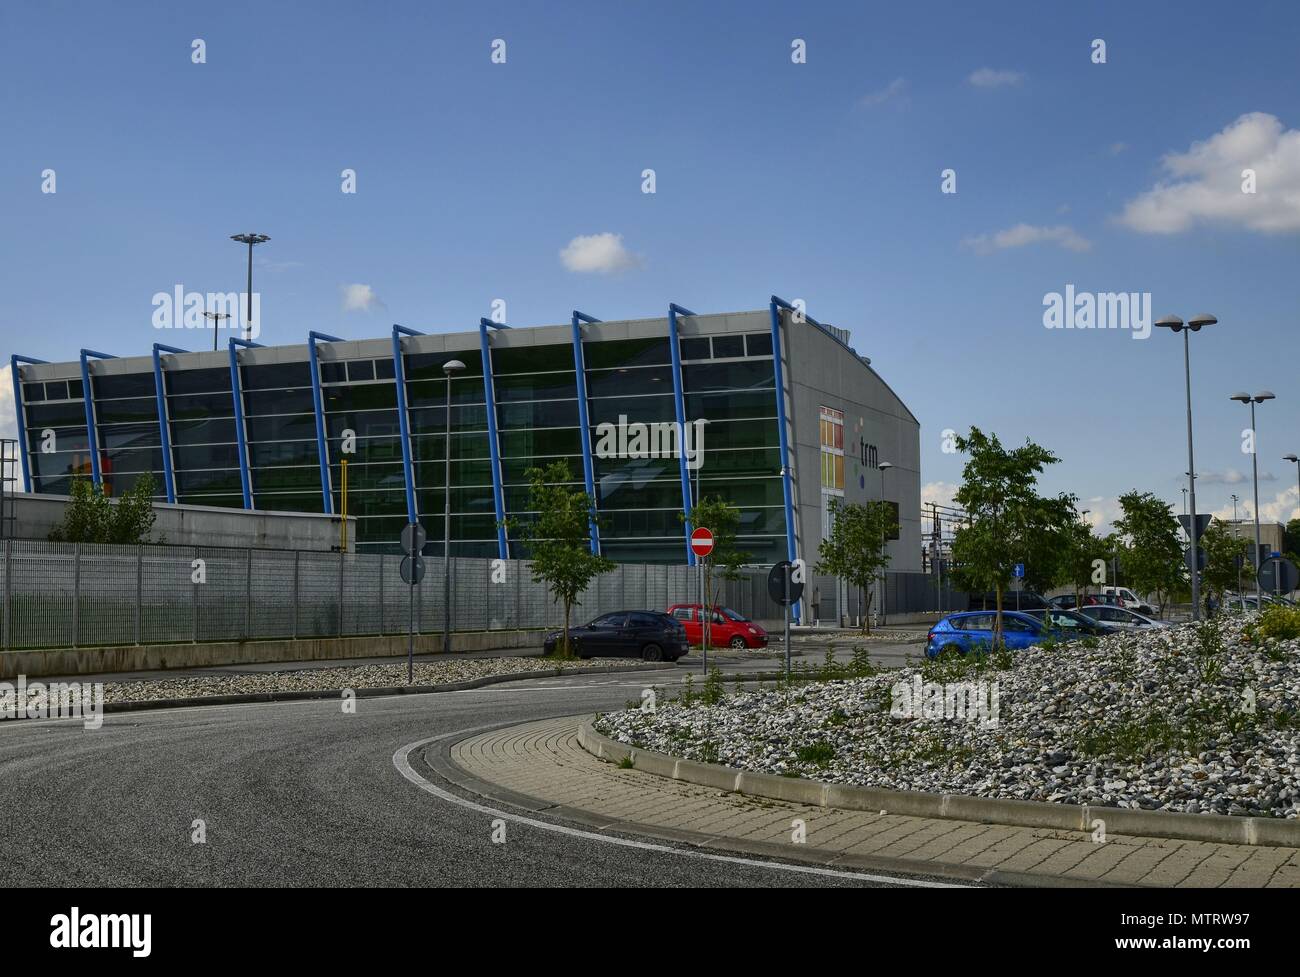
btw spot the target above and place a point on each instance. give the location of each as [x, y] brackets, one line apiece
[818, 181]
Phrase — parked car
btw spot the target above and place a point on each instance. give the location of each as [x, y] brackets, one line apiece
[727, 628]
[1121, 617]
[1130, 600]
[1065, 602]
[649, 635]
[1072, 624]
[1101, 600]
[973, 630]
[1029, 601]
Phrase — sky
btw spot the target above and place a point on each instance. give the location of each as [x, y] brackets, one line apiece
[499, 153]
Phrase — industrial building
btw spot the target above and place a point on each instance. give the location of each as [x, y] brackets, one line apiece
[648, 414]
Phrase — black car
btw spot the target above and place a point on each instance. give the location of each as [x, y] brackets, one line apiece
[649, 635]
[1071, 624]
[1029, 601]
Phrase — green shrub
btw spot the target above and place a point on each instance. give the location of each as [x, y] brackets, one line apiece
[1279, 622]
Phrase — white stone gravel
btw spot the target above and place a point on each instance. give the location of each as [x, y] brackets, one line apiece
[341, 677]
[1059, 712]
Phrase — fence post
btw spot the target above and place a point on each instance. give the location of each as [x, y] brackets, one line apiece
[76, 592]
[381, 593]
[519, 575]
[9, 572]
[194, 599]
[295, 593]
[139, 589]
[248, 594]
[341, 591]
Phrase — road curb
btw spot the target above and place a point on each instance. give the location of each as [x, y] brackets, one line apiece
[1213, 828]
[439, 762]
[296, 695]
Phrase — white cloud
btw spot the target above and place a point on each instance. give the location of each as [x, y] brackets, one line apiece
[1118, 147]
[1229, 476]
[1023, 235]
[896, 90]
[360, 298]
[602, 254]
[940, 492]
[1204, 184]
[994, 78]
[8, 417]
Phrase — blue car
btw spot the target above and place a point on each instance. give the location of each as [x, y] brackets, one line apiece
[973, 630]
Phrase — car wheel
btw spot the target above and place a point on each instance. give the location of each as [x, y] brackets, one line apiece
[738, 643]
[652, 653]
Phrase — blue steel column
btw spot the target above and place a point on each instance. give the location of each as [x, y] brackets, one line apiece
[241, 438]
[403, 421]
[776, 306]
[91, 435]
[312, 338]
[164, 434]
[494, 448]
[679, 406]
[580, 368]
[19, 410]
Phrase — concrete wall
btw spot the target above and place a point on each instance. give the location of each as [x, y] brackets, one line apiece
[195, 525]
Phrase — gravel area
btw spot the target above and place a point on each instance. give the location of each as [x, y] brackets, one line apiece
[1197, 720]
[342, 677]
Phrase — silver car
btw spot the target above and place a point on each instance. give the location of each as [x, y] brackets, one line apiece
[1120, 617]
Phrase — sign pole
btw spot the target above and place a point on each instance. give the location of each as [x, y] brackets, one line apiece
[786, 574]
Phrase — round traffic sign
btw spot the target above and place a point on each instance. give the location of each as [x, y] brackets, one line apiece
[413, 538]
[1277, 576]
[412, 569]
[702, 541]
[778, 578]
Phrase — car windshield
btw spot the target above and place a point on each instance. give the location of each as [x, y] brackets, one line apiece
[733, 615]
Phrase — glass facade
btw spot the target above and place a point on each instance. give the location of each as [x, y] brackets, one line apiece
[727, 382]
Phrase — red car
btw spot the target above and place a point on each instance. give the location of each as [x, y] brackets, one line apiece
[727, 629]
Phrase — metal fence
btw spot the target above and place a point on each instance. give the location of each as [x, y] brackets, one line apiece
[59, 595]
[68, 595]
[906, 592]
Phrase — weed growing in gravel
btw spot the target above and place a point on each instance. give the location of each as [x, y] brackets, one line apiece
[687, 699]
[713, 692]
[627, 763]
[708, 752]
[819, 754]
[1278, 622]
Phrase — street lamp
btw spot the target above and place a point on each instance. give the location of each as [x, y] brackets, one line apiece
[216, 318]
[884, 466]
[250, 240]
[448, 368]
[1296, 461]
[1194, 324]
[1259, 398]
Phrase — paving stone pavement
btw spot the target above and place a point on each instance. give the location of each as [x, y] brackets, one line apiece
[543, 760]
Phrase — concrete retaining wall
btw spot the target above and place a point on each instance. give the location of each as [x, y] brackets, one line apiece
[140, 658]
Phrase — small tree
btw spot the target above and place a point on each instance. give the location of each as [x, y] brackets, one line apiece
[855, 550]
[1222, 551]
[559, 539]
[722, 519]
[1007, 517]
[1081, 551]
[91, 517]
[1152, 552]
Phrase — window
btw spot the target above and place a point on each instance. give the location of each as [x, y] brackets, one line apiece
[832, 453]
[609, 621]
[684, 613]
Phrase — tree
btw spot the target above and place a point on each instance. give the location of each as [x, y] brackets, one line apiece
[1222, 551]
[558, 539]
[1007, 518]
[1081, 550]
[1152, 550]
[91, 517]
[1291, 540]
[722, 519]
[855, 550]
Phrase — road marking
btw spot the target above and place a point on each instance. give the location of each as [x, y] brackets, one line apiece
[401, 760]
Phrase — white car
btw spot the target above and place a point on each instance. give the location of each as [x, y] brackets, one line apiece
[1120, 617]
[1130, 600]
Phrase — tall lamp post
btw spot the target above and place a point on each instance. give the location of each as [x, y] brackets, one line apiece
[1259, 398]
[250, 240]
[1295, 460]
[884, 466]
[1194, 324]
[216, 318]
[448, 368]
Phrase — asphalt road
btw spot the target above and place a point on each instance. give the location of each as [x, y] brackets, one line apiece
[299, 793]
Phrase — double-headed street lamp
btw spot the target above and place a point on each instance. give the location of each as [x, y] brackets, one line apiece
[448, 368]
[1259, 398]
[1193, 324]
[250, 240]
[216, 318]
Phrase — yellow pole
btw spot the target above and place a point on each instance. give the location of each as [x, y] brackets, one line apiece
[343, 529]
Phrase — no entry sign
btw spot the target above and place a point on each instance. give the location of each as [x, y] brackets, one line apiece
[702, 541]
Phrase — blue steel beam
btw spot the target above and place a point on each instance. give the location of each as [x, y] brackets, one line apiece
[588, 468]
[777, 304]
[241, 437]
[312, 338]
[19, 410]
[679, 406]
[92, 438]
[164, 434]
[403, 420]
[494, 448]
